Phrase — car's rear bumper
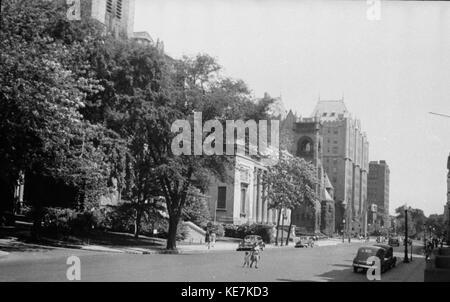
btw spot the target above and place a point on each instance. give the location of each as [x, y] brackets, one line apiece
[366, 266]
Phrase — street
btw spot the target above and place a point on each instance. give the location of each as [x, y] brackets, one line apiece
[321, 264]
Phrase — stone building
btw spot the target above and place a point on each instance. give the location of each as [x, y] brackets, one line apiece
[143, 38]
[378, 190]
[239, 198]
[116, 15]
[306, 142]
[346, 161]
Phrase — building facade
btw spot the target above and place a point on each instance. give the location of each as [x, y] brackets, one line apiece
[346, 162]
[116, 15]
[378, 191]
[306, 142]
[239, 197]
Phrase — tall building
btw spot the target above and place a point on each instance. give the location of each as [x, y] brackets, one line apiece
[378, 191]
[116, 15]
[346, 162]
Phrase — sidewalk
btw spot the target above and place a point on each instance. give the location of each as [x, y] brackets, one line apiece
[145, 246]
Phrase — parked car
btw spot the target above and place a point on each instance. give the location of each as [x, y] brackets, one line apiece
[384, 252]
[305, 242]
[250, 242]
[394, 241]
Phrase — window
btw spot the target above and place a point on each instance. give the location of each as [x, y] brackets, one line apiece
[119, 9]
[324, 114]
[335, 150]
[333, 114]
[109, 6]
[222, 198]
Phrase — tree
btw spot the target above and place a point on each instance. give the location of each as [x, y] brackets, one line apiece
[416, 220]
[195, 86]
[436, 223]
[196, 209]
[291, 182]
[43, 87]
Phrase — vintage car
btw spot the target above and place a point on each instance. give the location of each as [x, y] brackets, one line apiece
[384, 252]
[394, 241]
[305, 242]
[250, 242]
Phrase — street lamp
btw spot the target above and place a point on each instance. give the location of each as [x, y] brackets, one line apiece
[343, 230]
[406, 259]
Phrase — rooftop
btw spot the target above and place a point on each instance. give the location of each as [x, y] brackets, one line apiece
[330, 110]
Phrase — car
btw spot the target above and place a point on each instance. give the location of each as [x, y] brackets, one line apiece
[305, 242]
[384, 252]
[394, 241]
[250, 242]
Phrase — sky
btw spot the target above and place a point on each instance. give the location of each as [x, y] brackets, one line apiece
[391, 72]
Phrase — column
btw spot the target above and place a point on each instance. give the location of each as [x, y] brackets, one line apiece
[255, 195]
[260, 201]
[265, 206]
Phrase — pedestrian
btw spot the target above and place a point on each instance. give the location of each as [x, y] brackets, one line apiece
[208, 240]
[213, 238]
[427, 252]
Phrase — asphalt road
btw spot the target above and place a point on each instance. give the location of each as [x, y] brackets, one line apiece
[326, 264]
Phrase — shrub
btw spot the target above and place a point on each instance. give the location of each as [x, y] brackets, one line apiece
[231, 230]
[65, 222]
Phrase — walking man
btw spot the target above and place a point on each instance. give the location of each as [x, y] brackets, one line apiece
[213, 238]
[208, 240]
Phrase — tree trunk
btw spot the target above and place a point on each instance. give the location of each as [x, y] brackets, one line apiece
[137, 223]
[37, 223]
[172, 236]
[278, 227]
[290, 229]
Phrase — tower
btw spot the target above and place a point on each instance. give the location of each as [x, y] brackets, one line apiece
[307, 144]
[345, 159]
[116, 15]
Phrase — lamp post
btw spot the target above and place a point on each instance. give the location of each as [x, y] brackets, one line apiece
[406, 259]
[344, 221]
[343, 230]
